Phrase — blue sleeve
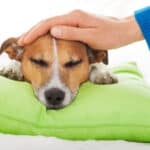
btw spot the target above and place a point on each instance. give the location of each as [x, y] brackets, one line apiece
[142, 17]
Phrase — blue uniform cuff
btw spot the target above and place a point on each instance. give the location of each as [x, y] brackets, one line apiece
[142, 17]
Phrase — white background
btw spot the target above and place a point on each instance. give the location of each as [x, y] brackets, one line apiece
[17, 16]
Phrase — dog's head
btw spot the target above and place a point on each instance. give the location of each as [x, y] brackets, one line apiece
[55, 68]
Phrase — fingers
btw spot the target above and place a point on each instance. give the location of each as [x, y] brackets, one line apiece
[33, 33]
[72, 33]
[21, 41]
[72, 19]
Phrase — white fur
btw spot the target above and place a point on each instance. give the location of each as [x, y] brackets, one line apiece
[12, 70]
[101, 74]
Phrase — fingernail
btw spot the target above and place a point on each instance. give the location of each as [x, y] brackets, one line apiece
[56, 31]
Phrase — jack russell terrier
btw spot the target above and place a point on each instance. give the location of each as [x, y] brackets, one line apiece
[56, 68]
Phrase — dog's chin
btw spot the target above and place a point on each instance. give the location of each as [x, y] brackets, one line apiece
[56, 107]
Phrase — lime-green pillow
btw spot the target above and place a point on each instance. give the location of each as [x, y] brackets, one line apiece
[117, 111]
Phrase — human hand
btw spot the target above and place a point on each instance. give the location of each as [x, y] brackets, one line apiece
[98, 32]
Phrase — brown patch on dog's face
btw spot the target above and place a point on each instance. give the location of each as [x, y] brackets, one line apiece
[37, 61]
[74, 66]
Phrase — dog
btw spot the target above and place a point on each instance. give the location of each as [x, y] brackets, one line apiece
[56, 68]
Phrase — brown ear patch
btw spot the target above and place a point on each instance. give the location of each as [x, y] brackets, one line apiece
[11, 48]
[101, 56]
[7, 44]
[97, 56]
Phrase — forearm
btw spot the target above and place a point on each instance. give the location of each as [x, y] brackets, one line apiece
[130, 31]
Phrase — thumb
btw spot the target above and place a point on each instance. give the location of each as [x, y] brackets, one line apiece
[71, 33]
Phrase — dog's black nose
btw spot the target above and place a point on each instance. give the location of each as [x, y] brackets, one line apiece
[54, 96]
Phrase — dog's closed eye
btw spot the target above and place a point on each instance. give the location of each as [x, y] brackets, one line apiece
[73, 63]
[39, 62]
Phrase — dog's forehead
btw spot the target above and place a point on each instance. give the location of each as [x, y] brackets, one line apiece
[45, 46]
[71, 46]
[68, 50]
[43, 43]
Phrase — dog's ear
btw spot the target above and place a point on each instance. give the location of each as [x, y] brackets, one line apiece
[11, 47]
[97, 55]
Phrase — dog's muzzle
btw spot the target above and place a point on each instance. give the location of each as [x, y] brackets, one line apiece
[54, 97]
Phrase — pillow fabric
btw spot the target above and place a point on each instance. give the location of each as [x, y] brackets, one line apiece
[117, 111]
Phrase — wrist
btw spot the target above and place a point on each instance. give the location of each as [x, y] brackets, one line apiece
[130, 31]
